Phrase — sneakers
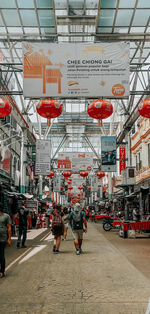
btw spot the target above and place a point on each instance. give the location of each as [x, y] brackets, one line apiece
[80, 250]
[24, 246]
[18, 245]
[2, 275]
[57, 251]
[54, 248]
[77, 252]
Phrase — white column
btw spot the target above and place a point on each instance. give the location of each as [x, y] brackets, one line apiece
[109, 186]
[40, 186]
[49, 188]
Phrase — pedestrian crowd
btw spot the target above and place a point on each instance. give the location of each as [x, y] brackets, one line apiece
[61, 218]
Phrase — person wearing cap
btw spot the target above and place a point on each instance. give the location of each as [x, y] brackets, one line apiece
[5, 237]
[77, 219]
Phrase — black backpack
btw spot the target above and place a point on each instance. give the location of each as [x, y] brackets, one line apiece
[77, 220]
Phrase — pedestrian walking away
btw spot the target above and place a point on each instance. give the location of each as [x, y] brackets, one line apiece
[23, 216]
[77, 219]
[5, 237]
[66, 222]
[57, 228]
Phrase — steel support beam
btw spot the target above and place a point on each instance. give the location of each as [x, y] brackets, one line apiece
[60, 145]
[91, 146]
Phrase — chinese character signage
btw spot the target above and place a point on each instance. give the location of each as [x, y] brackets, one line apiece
[75, 161]
[43, 151]
[76, 70]
[108, 153]
[122, 156]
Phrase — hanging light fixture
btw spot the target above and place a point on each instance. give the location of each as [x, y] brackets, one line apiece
[144, 108]
[49, 108]
[100, 174]
[51, 175]
[83, 174]
[5, 108]
[100, 109]
[67, 174]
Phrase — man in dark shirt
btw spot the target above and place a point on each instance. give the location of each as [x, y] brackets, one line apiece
[5, 237]
[23, 216]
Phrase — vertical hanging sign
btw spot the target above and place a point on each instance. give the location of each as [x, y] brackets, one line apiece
[122, 156]
[43, 153]
[108, 153]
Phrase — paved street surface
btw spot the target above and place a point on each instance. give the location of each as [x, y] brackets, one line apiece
[100, 281]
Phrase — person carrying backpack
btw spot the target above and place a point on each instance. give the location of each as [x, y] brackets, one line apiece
[57, 228]
[77, 219]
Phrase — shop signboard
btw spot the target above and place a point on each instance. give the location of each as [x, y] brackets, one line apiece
[76, 70]
[57, 183]
[75, 161]
[31, 204]
[43, 153]
[108, 153]
[122, 156]
[94, 183]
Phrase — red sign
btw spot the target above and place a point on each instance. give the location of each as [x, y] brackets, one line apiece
[122, 155]
[4, 158]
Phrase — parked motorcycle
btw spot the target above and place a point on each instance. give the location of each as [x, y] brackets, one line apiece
[108, 224]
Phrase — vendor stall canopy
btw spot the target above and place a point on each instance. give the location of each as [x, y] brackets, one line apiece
[86, 21]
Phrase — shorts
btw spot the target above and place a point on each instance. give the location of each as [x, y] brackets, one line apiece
[78, 234]
[66, 225]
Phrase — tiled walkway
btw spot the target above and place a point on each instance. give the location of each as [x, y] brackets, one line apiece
[99, 281]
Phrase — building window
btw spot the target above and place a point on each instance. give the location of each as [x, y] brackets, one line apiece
[140, 161]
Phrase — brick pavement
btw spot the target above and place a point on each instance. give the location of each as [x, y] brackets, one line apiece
[100, 281]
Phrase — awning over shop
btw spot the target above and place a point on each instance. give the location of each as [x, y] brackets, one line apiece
[27, 195]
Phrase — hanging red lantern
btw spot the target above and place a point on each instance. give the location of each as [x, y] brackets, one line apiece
[79, 194]
[61, 188]
[80, 187]
[67, 174]
[100, 174]
[144, 108]
[51, 175]
[70, 187]
[100, 109]
[83, 174]
[89, 188]
[49, 108]
[5, 108]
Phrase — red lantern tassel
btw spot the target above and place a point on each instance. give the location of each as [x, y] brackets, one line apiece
[49, 122]
[100, 123]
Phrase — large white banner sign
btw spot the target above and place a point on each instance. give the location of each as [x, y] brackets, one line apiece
[43, 150]
[75, 161]
[75, 70]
